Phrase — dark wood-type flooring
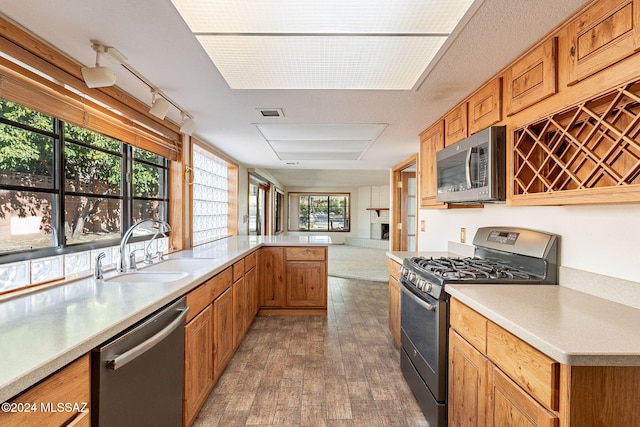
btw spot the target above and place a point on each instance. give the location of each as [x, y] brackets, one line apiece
[338, 370]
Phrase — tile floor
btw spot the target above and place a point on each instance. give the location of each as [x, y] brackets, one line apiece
[338, 370]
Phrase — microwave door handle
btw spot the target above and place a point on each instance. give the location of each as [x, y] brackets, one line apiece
[467, 168]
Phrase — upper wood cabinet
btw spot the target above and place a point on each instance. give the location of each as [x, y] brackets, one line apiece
[533, 78]
[604, 34]
[431, 140]
[455, 125]
[485, 106]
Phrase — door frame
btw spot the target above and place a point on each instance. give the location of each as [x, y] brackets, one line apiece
[396, 201]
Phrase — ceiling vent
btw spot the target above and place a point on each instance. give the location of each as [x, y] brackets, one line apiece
[271, 112]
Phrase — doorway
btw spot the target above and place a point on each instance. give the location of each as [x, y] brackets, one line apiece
[405, 206]
[258, 207]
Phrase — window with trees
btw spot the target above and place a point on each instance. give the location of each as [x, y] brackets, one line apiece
[319, 212]
[64, 187]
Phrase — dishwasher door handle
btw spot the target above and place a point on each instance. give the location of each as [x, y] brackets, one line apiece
[141, 348]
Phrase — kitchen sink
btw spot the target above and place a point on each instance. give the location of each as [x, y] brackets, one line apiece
[180, 264]
[148, 277]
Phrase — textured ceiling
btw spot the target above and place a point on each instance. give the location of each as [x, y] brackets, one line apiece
[159, 45]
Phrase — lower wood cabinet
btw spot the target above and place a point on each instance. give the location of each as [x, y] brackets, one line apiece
[512, 406]
[293, 279]
[468, 384]
[39, 405]
[497, 379]
[223, 315]
[198, 363]
[394, 300]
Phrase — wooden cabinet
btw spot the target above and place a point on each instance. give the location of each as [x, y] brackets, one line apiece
[394, 301]
[455, 125]
[306, 277]
[239, 311]
[496, 379]
[271, 275]
[468, 384]
[293, 279]
[223, 339]
[604, 34]
[485, 106]
[38, 406]
[533, 78]
[524, 387]
[431, 141]
[198, 362]
[253, 291]
[512, 406]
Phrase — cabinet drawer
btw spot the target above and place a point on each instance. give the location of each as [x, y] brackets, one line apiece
[536, 373]
[198, 299]
[250, 261]
[394, 269]
[238, 270]
[221, 282]
[469, 324]
[305, 254]
[71, 384]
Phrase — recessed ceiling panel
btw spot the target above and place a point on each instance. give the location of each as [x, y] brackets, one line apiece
[322, 44]
[323, 62]
[322, 16]
[320, 141]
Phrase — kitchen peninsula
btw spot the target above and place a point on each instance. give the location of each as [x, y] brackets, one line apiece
[46, 330]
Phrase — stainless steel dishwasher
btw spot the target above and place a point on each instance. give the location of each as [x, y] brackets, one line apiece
[136, 377]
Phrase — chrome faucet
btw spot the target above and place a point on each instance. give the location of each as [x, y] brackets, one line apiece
[98, 272]
[162, 228]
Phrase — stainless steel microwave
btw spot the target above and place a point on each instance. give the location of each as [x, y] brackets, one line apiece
[473, 170]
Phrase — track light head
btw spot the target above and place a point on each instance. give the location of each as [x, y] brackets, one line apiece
[188, 124]
[98, 76]
[159, 105]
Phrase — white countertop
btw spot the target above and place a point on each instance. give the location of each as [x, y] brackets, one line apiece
[569, 326]
[43, 331]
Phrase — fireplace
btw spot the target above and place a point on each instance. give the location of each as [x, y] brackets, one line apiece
[384, 229]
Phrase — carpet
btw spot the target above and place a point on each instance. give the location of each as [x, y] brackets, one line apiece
[355, 262]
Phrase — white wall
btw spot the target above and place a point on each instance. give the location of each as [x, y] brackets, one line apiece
[598, 239]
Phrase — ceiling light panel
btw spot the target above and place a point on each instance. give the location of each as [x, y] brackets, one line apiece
[322, 44]
[326, 62]
[322, 16]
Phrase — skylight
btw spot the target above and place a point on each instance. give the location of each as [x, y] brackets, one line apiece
[322, 44]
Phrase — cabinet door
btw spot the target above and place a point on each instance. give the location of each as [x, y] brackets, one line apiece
[198, 363]
[71, 384]
[431, 140]
[604, 34]
[271, 273]
[239, 311]
[306, 284]
[485, 106]
[455, 125]
[511, 406]
[222, 331]
[253, 295]
[533, 78]
[394, 309]
[468, 380]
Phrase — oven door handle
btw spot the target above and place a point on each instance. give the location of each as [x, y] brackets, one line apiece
[420, 302]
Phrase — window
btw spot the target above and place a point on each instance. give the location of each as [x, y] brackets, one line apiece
[279, 212]
[210, 196]
[318, 212]
[62, 187]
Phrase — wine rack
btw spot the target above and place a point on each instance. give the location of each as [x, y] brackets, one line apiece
[594, 144]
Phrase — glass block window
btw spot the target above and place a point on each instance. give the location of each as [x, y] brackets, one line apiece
[210, 208]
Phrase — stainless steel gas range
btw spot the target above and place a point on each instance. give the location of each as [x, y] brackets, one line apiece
[502, 255]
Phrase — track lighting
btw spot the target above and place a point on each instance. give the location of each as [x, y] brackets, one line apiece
[159, 105]
[98, 76]
[188, 124]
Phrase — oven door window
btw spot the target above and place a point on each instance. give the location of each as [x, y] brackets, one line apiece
[422, 326]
